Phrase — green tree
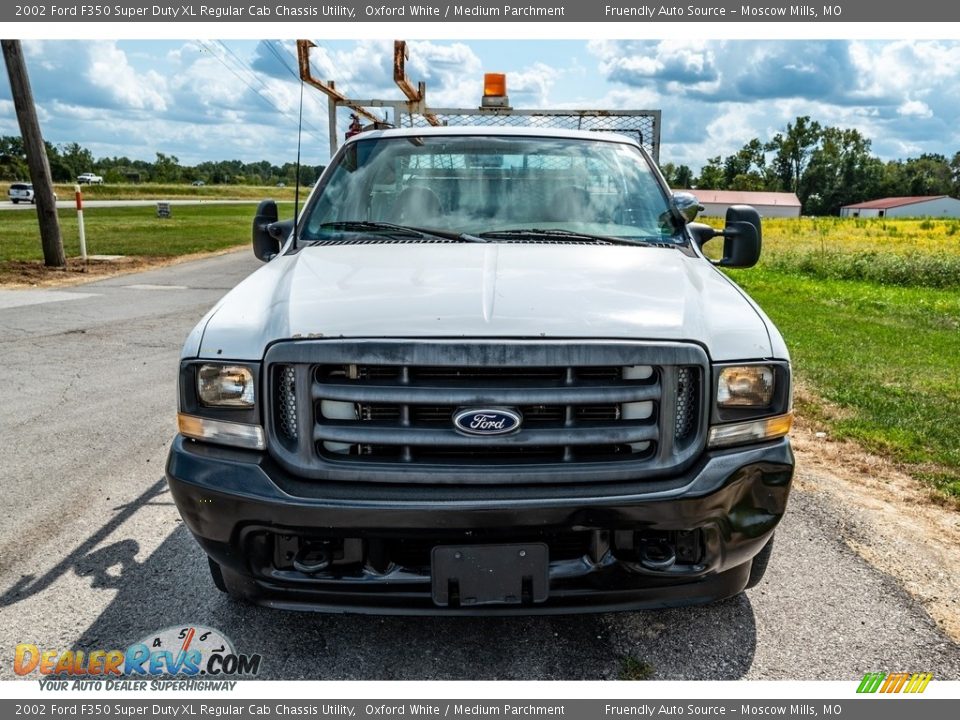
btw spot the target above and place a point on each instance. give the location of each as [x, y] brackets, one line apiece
[13, 159]
[60, 171]
[792, 152]
[683, 178]
[77, 158]
[841, 171]
[166, 168]
[929, 174]
[677, 176]
[745, 169]
[955, 175]
[711, 175]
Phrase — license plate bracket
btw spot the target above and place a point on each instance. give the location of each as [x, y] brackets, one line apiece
[472, 575]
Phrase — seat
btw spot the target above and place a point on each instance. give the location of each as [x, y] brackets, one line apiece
[414, 204]
[569, 204]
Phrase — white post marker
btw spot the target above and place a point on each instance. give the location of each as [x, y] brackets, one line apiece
[83, 235]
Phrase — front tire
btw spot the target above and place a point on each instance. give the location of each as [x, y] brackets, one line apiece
[216, 574]
[237, 587]
[758, 566]
[15, 202]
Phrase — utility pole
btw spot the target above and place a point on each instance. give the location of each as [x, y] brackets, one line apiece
[53, 255]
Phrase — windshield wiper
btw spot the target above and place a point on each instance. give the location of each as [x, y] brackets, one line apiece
[372, 226]
[556, 233]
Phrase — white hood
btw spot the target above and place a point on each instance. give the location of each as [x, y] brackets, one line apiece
[484, 290]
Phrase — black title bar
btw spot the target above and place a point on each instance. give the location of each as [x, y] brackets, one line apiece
[525, 709]
[618, 11]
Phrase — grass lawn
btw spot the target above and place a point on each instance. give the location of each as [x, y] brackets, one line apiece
[887, 357]
[910, 253]
[157, 191]
[134, 231]
[870, 310]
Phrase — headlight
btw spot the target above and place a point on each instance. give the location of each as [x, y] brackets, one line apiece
[746, 386]
[753, 404]
[229, 386]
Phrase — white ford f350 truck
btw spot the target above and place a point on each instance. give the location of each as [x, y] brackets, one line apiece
[488, 371]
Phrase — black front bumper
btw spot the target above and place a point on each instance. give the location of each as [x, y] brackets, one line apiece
[244, 510]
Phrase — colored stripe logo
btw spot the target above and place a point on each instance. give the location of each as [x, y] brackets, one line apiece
[894, 682]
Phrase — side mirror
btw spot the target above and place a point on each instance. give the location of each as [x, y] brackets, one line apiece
[741, 237]
[265, 244]
[687, 205]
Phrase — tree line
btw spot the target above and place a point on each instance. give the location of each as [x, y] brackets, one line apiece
[827, 167]
[71, 159]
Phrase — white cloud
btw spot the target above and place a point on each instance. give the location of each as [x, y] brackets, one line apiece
[109, 70]
[201, 100]
[915, 108]
[77, 112]
[639, 62]
[532, 84]
[624, 99]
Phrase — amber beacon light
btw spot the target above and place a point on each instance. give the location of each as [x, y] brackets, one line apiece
[495, 91]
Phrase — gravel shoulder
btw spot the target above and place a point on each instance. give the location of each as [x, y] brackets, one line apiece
[30, 274]
[886, 517]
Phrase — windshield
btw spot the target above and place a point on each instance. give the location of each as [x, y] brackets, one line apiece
[487, 184]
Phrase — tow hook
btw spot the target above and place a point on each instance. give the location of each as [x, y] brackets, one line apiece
[312, 558]
[657, 554]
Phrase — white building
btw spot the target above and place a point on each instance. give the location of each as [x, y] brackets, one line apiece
[768, 204]
[941, 206]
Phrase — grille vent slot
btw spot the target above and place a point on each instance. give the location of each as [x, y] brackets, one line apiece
[687, 403]
[286, 403]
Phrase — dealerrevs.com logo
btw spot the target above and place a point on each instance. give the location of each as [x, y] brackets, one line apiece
[183, 651]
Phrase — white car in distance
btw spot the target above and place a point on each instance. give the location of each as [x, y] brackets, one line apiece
[21, 192]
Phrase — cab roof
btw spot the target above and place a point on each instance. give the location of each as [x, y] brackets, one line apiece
[487, 130]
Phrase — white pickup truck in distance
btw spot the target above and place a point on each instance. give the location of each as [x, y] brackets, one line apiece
[490, 370]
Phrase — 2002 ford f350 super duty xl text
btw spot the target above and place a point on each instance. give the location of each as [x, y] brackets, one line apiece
[491, 370]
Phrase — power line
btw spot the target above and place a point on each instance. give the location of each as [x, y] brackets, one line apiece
[296, 76]
[240, 61]
[313, 131]
[342, 86]
[278, 56]
[271, 45]
[314, 68]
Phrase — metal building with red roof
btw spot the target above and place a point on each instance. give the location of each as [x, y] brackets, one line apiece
[768, 204]
[911, 206]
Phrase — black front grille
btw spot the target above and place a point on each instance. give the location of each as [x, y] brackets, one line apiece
[405, 413]
[380, 411]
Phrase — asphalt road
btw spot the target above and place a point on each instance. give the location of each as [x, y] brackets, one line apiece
[93, 553]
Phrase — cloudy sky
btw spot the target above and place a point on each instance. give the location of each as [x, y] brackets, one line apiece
[213, 100]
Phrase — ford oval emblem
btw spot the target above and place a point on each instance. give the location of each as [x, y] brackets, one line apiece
[487, 421]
